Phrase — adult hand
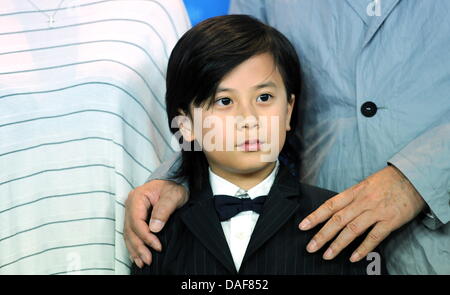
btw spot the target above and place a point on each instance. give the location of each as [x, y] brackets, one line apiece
[385, 200]
[164, 196]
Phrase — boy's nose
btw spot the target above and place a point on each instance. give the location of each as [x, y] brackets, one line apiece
[248, 122]
[247, 117]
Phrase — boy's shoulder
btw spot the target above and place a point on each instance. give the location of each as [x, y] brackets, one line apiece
[308, 196]
[287, 183]
[318, 194]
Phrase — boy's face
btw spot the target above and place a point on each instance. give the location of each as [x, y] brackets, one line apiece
[245, 128]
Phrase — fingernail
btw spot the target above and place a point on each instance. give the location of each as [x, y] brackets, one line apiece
[156, 225]
[328, 254]
[138, 263]
[144, 259]
[355, 257]
[312, 246]
[304, 225]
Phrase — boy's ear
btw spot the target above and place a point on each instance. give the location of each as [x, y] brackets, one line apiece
[185, 124]
[289, 114]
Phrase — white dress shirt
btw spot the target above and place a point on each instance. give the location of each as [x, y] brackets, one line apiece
[239, 228]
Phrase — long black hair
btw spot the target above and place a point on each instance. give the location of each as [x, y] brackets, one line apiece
[208, 52]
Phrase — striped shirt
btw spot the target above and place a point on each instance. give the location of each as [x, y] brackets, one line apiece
[82, 122]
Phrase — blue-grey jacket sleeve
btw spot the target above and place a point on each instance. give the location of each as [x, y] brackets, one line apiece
[426, 163]
[254, 8]
[167, 169]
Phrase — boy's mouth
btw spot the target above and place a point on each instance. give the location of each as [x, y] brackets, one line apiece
[251, 145]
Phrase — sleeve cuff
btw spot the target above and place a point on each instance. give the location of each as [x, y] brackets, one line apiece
[430, 220]
[438, 203]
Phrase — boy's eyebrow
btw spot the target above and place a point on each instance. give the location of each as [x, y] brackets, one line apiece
[266, 84]
[259, 86]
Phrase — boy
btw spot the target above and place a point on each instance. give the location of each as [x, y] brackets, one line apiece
[232, 83]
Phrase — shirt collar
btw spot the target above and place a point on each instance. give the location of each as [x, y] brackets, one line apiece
[221, 186]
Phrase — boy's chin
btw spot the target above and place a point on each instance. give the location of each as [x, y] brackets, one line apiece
[252, 163]
[256, 158]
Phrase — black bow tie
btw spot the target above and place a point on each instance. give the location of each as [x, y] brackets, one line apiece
[228, 206]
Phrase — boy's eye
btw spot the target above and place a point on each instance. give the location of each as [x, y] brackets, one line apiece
[224, 101]
[264, 97]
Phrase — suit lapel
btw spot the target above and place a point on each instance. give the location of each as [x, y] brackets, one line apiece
[279, 207]
[375, 22]
[360, 7]
[201, 219]
[365, 8]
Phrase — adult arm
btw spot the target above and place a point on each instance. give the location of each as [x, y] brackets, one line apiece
[162, 195]
[417, 178]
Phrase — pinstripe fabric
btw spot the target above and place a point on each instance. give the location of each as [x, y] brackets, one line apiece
[193, 242]
[82, 122]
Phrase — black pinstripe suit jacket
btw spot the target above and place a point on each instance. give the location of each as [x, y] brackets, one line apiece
[194, 243]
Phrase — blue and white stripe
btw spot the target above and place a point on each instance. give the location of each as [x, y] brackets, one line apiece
[82, 122]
